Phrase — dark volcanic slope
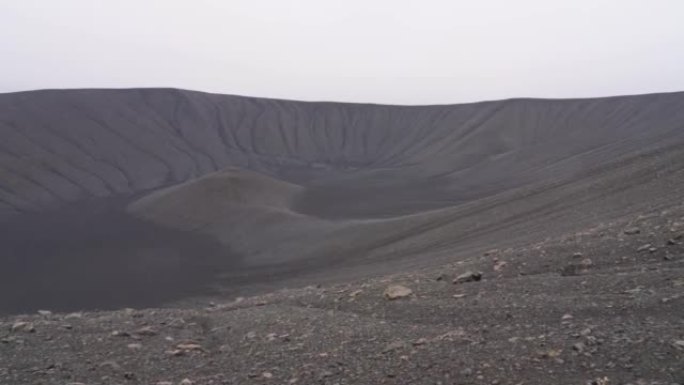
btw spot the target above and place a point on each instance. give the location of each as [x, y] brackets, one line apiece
[314, 190]
[64, 146]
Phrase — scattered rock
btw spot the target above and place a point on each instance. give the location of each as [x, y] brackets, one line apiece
[599, 381]
[267, 375]
[190, 346]
[271, 336]
[420, 341]
[451, 335]
[355, 293]
[645, 247]
[577, 268]
[134, 346]
[73, 316]
[164, 383]
[45, 313]
[499, 265]
[396, 292]
[468, 276]
[551, 353]
[632, 231]
[566, 317]
[671, 298]
[174, 352]
[186, 381]
[671, 242]
[26, 327]
[457, 296]
[678, 344]
[578, 347]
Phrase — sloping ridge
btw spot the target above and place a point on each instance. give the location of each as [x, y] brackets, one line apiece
[250, 213]
[200, 203]
[284, 192]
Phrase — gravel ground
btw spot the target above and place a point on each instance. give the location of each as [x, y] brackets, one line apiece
[600, 306]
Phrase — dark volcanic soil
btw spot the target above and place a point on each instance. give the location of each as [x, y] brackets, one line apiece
[167, 200]
[94, 256]
[598, 306]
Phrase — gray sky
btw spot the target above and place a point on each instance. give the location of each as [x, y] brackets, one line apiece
[385, 51]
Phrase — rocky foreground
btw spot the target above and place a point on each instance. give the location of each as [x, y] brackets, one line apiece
[602, 306]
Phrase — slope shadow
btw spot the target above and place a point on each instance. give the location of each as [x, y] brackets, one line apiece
[95, 256]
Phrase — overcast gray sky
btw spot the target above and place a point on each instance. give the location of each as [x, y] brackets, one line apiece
[386, 51]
